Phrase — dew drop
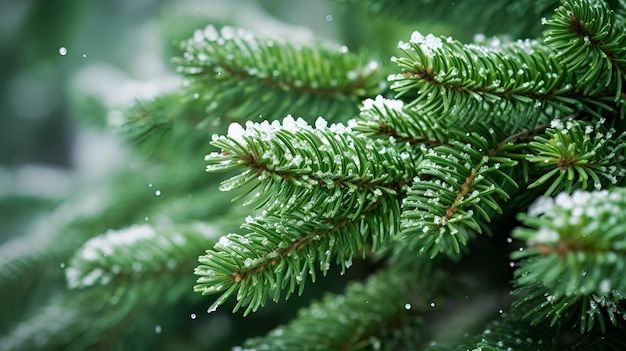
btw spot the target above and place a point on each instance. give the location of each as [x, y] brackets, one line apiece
[84, 55]
[150, 185]
[432, 304]
[329, 18]
[158, 329]
[62, 265]
[193, 316]
[407, 306]
[63, 51]
[157, 193]
[146, 218]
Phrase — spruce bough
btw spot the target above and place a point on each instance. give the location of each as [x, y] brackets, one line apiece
[478, 188]
[468, 130]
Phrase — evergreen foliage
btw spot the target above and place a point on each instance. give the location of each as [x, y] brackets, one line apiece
[277, 78]
[411, 178]
[432, 11]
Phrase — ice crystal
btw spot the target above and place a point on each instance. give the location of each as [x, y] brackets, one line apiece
[382, 104]
[236, 132]
[427, 44]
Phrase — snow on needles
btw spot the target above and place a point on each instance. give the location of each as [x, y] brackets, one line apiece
[383, 104]
[427, 44]
[238, 133]
[103, 246]
[565, 211]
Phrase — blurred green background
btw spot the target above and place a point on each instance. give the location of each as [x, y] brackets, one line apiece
[115, 51]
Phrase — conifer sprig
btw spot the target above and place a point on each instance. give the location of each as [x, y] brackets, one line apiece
[390, 118]
[279, 252]
[297, 163]
[277, 78]
[590, 41]
[364, 316]
[60, 324]
[327, 193]
[102, 259]
[466, 83]
[126, 277]
[166, 126]
[575, 257]
[474, 134]
[577, 154]
[457, 188]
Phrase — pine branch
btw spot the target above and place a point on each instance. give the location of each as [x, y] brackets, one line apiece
[325, 190]
[278, 78]
[53, 237]
[591, 42]
[474, 134]
[575, 153]
[166, 126]
[526, 79]
[121, 276]
[64, 322]
[459, 184]
[278, 252]
[469, 83]
[390, 119]
[295, 163]
[122, 200]
[362, 317]
[137, 252]
[48, 329]
[575, 253]
[34, 263]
